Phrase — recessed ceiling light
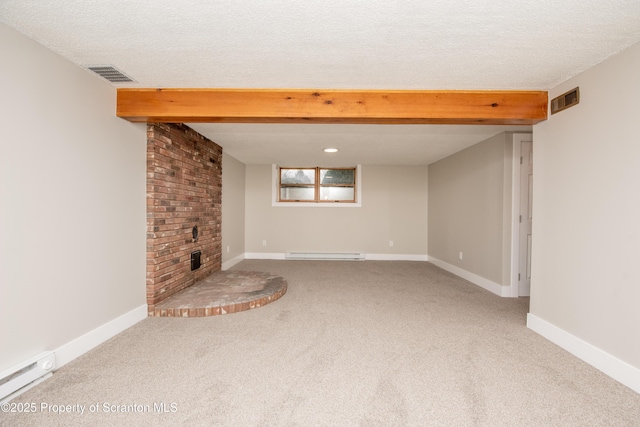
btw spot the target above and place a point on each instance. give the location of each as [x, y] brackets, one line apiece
[330, 150]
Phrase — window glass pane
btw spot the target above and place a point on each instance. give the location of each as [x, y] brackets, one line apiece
[297, 176]
[297, 193]
[337, 176]
[337, 193]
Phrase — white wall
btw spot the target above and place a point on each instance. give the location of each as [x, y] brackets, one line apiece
[586, 211]
[233, 212]
[394, 207]
[72, 202]
[470, 210]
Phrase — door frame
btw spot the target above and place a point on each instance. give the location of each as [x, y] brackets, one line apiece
[518, 138]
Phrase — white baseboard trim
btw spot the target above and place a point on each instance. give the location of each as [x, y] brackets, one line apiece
[263, 255]
[395, 257]
[233, 261]
[88, 341]
[496, 288]
[599, 359]
[368, 257]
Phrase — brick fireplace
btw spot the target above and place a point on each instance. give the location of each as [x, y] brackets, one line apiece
[184, 190]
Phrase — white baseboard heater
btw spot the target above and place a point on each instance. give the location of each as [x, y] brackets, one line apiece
[324, 256]
[25, 375]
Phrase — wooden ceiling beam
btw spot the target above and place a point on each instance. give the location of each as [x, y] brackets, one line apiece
[331, 106]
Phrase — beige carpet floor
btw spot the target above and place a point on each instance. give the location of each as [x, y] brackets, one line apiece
[373, 343]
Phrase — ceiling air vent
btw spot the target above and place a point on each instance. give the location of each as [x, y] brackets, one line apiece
[566, 100]
[110, 73]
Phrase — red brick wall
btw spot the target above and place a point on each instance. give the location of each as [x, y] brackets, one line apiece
[184, 189]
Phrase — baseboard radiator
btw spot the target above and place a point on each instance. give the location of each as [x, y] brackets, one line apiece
[21, 377]
[324, 256]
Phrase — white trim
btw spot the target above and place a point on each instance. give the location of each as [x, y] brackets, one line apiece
[230, 263]
[276, 203]
[489, 285]
[92, 339]
[263, 255]
[518, 138]
[395, 257]
[599, 359]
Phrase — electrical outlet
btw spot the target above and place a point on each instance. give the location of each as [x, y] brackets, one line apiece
[264, 243]
[391, 243]
[228, 249]
[460, 255]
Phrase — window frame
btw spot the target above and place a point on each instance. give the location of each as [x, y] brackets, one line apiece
[317, 202]
[313, 185]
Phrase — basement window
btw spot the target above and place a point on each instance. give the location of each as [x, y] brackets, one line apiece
[316, 186]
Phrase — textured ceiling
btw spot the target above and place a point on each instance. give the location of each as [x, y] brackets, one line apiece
[411, 44]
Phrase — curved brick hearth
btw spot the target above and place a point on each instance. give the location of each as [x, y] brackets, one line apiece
[222, 293]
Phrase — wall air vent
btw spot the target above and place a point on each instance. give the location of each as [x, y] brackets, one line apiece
[110, 73]
[566, 100]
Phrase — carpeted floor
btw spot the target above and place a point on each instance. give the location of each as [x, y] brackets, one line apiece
[373, 343]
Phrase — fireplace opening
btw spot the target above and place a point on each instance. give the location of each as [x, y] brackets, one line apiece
[195, 260]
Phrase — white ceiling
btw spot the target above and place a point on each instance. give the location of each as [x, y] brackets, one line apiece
[303, 144]
[340, 44]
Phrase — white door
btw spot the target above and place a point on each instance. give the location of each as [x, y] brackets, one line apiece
[526, 196]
